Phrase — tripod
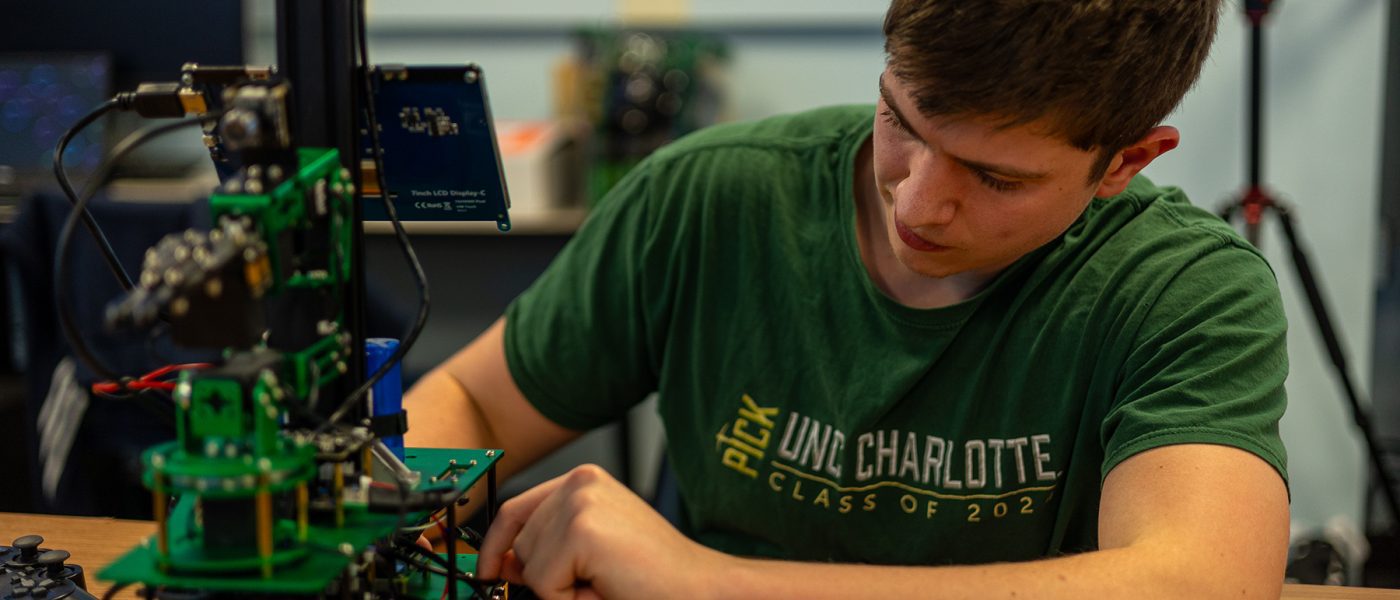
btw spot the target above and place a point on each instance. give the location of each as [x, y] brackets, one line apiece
[1254, 203]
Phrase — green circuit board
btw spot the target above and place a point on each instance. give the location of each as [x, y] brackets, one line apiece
[330, 549]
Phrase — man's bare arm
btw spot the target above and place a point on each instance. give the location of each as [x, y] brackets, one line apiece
[1185, 521]
[471, 401]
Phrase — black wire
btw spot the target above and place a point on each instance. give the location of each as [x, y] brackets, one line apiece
[472, 536]
[420, 278]
[480, 587]
[61, 284]
[103, 245]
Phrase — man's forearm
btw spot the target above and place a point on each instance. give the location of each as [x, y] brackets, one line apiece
[1134, 572]
[442, 415]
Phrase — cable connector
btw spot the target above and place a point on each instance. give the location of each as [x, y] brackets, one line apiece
[163, 100]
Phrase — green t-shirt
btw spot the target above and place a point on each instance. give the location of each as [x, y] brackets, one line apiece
[809, 416]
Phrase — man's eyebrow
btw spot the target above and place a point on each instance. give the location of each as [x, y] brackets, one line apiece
[1002, 170]
[889, 102]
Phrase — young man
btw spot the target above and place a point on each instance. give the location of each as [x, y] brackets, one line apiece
[950, 347]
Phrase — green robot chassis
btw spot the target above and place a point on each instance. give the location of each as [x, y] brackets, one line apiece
[329, 549]
[249, 498]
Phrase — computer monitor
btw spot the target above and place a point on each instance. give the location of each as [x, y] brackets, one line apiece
[146, 41]
[41, 96]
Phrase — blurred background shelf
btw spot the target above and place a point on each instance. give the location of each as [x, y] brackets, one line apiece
[551, 221]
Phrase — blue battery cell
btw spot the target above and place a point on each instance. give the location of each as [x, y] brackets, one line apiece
[386, 397]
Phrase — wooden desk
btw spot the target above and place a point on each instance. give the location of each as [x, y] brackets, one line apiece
[94, 542]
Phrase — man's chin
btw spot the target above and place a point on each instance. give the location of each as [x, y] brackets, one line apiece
[923, 265]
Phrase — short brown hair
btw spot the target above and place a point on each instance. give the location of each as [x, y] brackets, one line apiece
[1101, 72]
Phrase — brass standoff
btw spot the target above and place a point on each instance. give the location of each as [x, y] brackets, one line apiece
[264, 500]
[338, 492]
[303, 500]
[160, 504]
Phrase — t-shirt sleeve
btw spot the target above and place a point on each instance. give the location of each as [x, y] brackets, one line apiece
[1207, 364]
[580, 341]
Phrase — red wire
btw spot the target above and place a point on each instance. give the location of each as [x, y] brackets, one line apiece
[168, 368]
[110, 387]
[148, 381]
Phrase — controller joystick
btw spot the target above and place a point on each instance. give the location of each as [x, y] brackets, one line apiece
[29, 571]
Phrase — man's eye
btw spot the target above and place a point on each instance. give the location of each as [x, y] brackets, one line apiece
[998, 184]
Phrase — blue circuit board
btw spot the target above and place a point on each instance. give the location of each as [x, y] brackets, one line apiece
[441, 161]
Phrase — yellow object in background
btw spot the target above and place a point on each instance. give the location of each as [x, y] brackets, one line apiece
[653, 12]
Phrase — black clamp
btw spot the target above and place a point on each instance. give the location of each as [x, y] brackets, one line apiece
[390, 425]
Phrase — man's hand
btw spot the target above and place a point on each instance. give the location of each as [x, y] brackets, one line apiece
[584, 535]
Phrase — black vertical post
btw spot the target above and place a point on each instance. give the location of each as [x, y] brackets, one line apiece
[1255, 150]
[1385, 383]
[1255, 200]
[452, 548]
[315, 54]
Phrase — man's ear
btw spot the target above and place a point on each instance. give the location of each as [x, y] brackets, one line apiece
[1134, 158]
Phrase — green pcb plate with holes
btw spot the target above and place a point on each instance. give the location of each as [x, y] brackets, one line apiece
[324, 560]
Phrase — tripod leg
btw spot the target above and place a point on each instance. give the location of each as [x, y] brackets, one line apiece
[1323, 320]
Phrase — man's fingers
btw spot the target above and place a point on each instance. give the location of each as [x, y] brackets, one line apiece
[507, 524]
[586, 593]
[512, 569]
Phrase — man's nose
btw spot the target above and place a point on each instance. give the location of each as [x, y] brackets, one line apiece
[929, 197]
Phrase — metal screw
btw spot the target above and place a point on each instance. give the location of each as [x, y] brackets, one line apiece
[180, 306]
[470, 77]
[490, 453]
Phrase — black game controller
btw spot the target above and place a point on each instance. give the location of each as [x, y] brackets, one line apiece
[28, 571]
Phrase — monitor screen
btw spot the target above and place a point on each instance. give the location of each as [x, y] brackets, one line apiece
[41, 96]
[147, 40]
